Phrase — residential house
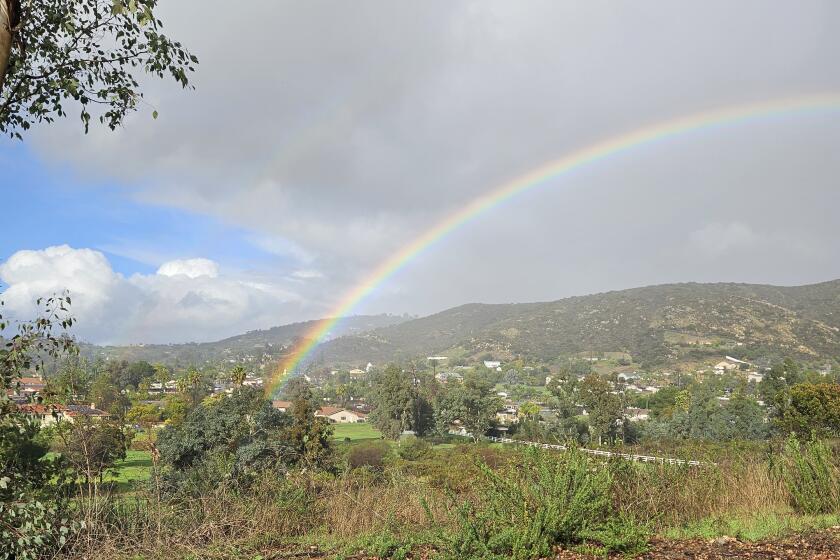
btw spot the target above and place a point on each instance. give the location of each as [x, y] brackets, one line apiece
[31, 386]
[736, 361]
[721, 367]
[49, 414]
[43, 414]
[341, 415]
[282, 406]
[253, 382]
[82, 410]
[755, 377]
[637, 414]
[507, 415]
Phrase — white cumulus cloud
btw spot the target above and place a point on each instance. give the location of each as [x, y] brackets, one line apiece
[191, 268]
[186, 300]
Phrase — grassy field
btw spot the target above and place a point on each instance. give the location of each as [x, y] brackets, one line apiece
[355, 432]
[134, 470]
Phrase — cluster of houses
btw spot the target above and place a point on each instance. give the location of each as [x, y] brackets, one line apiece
[49, 414]
[27, 396]
[219, 385]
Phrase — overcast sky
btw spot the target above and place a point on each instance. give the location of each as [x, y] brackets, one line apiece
[323, 136]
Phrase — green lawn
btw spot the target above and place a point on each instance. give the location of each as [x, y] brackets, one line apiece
[135, 469]
[355, 432]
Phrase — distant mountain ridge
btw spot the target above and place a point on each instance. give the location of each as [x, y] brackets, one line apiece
[255, 343]
[655, 324]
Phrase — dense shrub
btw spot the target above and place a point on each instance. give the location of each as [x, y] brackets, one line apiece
[414, 449]
[368, 454]
[811, 476]
[522, 512]
[620, 533]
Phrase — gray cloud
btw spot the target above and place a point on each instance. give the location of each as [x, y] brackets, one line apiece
[337, 131]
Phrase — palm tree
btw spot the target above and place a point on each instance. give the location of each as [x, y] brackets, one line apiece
[529, 410]
[238, 375]
[341, 393]
[193, 377]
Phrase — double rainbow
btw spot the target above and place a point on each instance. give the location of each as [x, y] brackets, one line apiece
[543, 174]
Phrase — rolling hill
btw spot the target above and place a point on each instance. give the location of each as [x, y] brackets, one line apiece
[259, 343]
[655, 324]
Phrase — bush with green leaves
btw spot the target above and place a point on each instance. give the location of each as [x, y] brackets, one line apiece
[235, 437]
[811, 476]
[35, 518]
[368, 454]
[621, 533]
[414, 449]
[524, 510]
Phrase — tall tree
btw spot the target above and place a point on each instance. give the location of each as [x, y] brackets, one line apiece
[310, 436]
[393, 401]
[473, 404]
[85, 51]
[604, 407]
[92, 447]
[781, 376]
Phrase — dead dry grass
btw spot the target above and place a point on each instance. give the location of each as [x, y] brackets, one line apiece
[274, 512]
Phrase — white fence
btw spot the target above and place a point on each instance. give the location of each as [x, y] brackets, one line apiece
[599, 453]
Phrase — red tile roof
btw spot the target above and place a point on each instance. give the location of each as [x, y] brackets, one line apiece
[328, 410]
[41, 408]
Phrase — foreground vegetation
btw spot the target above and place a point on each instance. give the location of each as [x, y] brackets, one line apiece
[230, 476]
[469, 501]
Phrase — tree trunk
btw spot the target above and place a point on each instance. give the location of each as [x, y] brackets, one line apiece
[5, 38]
[8, 20]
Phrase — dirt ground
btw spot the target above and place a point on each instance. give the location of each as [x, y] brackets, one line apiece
[819, 545]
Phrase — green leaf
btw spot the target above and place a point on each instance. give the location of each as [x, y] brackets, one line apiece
[154, 114]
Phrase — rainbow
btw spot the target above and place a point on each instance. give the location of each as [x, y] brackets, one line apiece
[543, 174]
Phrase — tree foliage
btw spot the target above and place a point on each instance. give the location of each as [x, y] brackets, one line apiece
[309, 436]
[473, 404]
[393, 401]
[234, 436]
[809, 408]
[604, 407]
[34, 511]
[91, 447]
[86, 53]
